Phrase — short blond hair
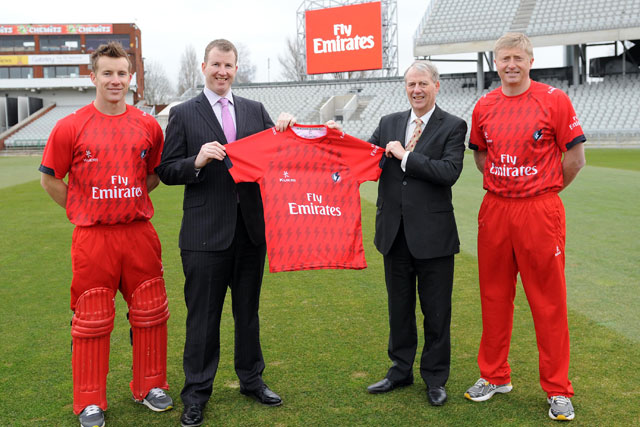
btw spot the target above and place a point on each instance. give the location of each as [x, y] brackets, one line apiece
[513, 40]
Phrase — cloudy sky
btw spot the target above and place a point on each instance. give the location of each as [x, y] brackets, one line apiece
[262, 26]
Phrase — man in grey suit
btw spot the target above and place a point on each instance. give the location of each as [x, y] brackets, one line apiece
[416, 229]
[222, 240]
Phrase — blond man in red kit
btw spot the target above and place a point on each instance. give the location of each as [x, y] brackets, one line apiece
[528, 144]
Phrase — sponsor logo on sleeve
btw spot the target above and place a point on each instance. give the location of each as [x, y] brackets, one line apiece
[574, 123]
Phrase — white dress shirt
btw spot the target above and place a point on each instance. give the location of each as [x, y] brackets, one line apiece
[410, 128]
[217, 108]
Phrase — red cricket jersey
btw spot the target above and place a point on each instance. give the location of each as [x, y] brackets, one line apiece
[524, 136]
[108, 159]
[309, 179]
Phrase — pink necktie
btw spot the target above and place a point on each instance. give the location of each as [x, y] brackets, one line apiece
[227, 121]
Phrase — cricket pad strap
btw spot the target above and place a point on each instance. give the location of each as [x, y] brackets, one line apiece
[148, 315]
[91, 328]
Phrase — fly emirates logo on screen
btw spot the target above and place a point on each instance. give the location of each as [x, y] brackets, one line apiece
[346, 38]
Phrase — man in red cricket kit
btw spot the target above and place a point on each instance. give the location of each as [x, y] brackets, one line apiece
[109, 150]
[528, 144]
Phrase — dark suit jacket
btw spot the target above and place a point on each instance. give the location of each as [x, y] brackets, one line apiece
[421, 196]
[210, 198]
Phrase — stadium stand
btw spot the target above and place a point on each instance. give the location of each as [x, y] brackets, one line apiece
[553, 17]
[608, 109]
[35, 135]
[458, 21]
[455, 21]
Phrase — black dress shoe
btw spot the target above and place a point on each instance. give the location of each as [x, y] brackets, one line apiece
[386, 385]
[192, 415]
[437, 395]
[263, 395]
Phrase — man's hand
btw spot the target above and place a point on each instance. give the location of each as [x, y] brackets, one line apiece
[208, 152]
[332, 124]
[284, 121]
[395, 149]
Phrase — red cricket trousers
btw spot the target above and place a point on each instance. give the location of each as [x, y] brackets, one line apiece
[526, 236]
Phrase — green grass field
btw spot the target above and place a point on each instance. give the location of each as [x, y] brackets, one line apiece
[324, 333]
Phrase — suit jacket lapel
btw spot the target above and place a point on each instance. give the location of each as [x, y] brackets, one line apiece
[432, 125]
[241, 116]
[400, 131]
[204, 109]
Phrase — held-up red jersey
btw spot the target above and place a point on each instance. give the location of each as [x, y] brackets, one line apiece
[309, 179]
[524, 136]
[108, 159]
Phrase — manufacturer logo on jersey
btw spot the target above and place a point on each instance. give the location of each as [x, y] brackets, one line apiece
[486, 138]
[143, 154]
[88, 157]
[537, 135]
[558, 252]
[374, 150]
[336, 176]
[286, 177]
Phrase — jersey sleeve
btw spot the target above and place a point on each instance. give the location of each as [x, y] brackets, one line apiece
[567, 126]
[157, 143]
[58, 152]
[476, 137]
[364, 158]
[249, 157]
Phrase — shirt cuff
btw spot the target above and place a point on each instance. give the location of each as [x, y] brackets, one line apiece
[403, 164]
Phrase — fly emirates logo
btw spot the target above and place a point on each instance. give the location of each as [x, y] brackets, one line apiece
[343, 41]
[313, 206]
[509, 167]
[118, 189]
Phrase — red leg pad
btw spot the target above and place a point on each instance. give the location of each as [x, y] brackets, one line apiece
[91, 328]
[148, 315]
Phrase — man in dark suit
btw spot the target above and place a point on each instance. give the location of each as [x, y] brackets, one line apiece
[222, 239]
[416, 230]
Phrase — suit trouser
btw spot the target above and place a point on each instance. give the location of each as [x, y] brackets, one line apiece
[207, 276]
[435, 283]
[525, 235]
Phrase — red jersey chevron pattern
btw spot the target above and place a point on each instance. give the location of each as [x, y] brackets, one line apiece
[524, 137]
[309, 179]
[108, 159]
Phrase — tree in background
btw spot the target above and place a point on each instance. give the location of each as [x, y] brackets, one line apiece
[157, 87]
[190, 74]
[292, 62]
[246, 70]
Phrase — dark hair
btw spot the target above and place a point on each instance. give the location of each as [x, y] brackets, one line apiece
[221, 44]
[111, 50]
